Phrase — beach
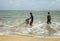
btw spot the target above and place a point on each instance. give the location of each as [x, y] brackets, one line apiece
[25, 38]
[29, 20]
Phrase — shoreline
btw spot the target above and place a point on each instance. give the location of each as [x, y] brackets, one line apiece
[33, 36]
[25, 38]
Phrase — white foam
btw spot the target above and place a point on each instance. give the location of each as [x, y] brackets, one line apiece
[37, 29]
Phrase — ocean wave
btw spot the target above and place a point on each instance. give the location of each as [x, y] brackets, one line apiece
[41, 29]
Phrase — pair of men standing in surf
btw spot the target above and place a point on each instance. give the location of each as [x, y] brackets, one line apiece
[31, 19]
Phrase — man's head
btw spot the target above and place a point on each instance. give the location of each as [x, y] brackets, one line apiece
[31, 13]
[48, 12]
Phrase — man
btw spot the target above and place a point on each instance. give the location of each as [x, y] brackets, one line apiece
[31, 17]
[49, 18]
[29, 20]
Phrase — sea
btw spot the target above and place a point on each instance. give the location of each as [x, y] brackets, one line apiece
[12, 22]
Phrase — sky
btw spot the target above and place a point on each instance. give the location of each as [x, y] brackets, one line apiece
[29, 4]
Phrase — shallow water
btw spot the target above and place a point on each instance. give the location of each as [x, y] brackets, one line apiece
[9, 21]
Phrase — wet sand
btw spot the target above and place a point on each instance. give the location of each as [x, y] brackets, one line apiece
[26, 38]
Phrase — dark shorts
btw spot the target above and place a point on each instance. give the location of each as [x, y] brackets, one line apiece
[31, 23]
[49, 21]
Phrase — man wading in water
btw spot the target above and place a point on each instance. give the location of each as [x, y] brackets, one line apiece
[49, 18]
[31, 20]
